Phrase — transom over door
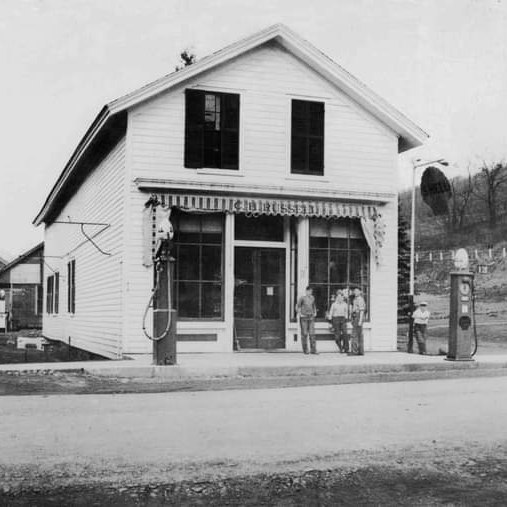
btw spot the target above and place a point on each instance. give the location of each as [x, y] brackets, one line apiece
[259, 297]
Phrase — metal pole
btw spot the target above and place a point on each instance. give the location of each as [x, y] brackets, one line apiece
[415, 165]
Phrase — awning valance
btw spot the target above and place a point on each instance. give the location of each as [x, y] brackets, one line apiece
[369, 214]
[268, 206]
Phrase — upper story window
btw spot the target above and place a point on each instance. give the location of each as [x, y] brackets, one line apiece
[307, 139]
[212, 130]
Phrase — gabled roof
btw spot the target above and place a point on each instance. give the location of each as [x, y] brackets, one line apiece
[22, 257]
[410, 135]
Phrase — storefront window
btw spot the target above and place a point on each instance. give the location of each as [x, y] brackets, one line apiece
[339, 259]
[199, 265]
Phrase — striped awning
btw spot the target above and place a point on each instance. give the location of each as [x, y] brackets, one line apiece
[253, 206]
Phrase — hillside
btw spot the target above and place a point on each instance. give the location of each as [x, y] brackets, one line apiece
[477, 215]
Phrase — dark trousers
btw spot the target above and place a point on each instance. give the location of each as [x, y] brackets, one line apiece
[340, 334]
[420, 336]
[357, 345]
[308, 331]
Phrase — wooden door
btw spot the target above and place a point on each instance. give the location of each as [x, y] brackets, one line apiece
[259, 298]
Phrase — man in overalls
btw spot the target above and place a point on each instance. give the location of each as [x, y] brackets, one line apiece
[307, 311]
[358, 314]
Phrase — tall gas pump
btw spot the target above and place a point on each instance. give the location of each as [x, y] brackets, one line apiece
[165, 316]
[461, 311]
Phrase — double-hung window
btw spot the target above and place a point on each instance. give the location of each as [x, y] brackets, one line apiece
[71, 286]
[211, 130]
[307, 138]
[53, 293]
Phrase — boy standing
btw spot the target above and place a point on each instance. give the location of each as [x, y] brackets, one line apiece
[421, 318]
[307, 311]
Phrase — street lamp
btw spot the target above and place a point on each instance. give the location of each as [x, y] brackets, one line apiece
[416, 164]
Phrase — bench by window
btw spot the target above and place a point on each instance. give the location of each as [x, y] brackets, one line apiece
[307, 139]
[211, 130]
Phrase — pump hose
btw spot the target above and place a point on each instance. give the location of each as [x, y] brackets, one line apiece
[476, 346]
[149, 305]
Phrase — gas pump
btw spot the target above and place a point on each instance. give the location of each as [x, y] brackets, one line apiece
[164, 315]
[462, 309]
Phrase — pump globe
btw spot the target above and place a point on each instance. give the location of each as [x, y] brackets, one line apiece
[461, 259]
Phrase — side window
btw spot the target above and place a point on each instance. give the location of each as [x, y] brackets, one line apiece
[71, 286]
[307, 137]
[211, 130]
[49, 293]
[56, 292]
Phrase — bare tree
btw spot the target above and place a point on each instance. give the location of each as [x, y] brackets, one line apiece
[487, 185]
[462, 191]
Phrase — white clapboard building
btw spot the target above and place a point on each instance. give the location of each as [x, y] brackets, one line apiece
[281, 171]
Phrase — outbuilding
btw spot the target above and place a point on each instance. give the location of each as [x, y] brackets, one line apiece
[22, 291]
[280, 171]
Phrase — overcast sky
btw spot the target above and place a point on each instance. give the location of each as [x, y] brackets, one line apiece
[441, 62]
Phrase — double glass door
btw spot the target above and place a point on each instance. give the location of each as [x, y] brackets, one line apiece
[259, 297]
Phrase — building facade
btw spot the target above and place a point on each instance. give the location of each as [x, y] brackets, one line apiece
[279, 170]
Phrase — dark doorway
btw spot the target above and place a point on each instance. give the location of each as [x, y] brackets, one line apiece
[259, 297]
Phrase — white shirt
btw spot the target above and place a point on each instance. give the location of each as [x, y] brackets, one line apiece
[421, 316]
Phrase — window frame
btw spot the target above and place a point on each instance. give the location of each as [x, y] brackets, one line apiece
[200, 244]
[349, 249]
[198, 129]
[50, 283]
[308, 136]
[71, 287]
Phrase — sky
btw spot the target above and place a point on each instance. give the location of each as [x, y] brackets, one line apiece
[443, 63]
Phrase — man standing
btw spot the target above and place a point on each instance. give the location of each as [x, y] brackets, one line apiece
[338, 314]
[307, 311]
[421, 318]
[358, 314]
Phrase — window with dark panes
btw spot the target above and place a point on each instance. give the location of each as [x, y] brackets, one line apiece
[211, 130]
[307, 137]
[199, 265]
[71, 286]
[57, 292]
[49, 293]
[339, 259]
[260, 228]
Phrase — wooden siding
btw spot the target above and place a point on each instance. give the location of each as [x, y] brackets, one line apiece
[96, 325]
[360, 155]
[267, 79]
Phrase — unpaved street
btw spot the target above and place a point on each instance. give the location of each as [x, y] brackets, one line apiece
[130, 439]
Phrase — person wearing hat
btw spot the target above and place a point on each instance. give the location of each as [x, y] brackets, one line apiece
[421, 318]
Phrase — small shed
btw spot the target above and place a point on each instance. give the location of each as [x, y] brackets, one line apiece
[21, 279]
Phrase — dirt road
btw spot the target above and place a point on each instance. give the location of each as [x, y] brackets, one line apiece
[448, 436]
